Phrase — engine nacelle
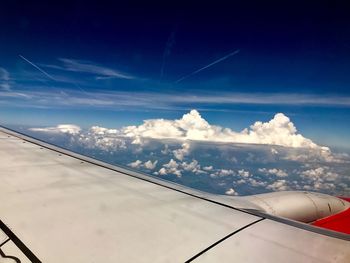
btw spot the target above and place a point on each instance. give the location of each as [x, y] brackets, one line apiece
[297, 205]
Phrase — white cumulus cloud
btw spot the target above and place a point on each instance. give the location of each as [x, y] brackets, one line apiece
[102, 138]
[193, 167]
[135, 164]
[243, 173]
[177, 168]
[208, 168]
[279, 185]
[278, 131]
[222, 173]
[231, 191]
[102, 131]
[255, 183]
[172, 167]
[319, 174]
[150, 165]
[182, 152]
[273, 171]
[274, 151]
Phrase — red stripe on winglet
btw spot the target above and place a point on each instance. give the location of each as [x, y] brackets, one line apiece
[344, 198]
[339, 222]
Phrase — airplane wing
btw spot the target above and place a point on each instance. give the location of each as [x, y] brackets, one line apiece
[59, 206]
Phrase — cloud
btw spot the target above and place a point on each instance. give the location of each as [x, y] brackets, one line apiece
[135, 164]
[84, 66]
[319, 174]
[166, 150]
[171, 164]
[212, 161]
[192, 127]
[182, 152]
[274, 151]
[177, 168]
[162, 171]
[315, 155]
[225, 172]
[244, 173]
[279, 185]
[323, 186]
[322, 178]
[149, 165]
[222, 173]
[247, 179]
[278, 131]
[101, 138]
[96, 137]
[62, 128]
[273, 171]
[193, 167]
[256, 183]
[208, 168]
[170, 168]
[231, 191]
[9, 94]
[4, 79]
[102, 131]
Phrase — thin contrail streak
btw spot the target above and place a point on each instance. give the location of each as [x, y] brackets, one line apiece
[207, 66]
[47, 74]
[35, 66]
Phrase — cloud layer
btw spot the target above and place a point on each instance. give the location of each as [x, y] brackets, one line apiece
[192, 127]
[278, 131]
[225, 168]
[267, 156]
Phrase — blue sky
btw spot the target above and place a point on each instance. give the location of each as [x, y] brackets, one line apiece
[116, 64]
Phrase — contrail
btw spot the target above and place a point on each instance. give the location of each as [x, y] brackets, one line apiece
[35, 66]
[47, 74]
[207, 66]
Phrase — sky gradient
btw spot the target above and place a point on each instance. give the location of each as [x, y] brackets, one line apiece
[117, 64]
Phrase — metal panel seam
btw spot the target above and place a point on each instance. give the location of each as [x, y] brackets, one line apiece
[223, 239]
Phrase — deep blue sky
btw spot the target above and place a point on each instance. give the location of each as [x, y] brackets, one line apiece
[112, 63]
